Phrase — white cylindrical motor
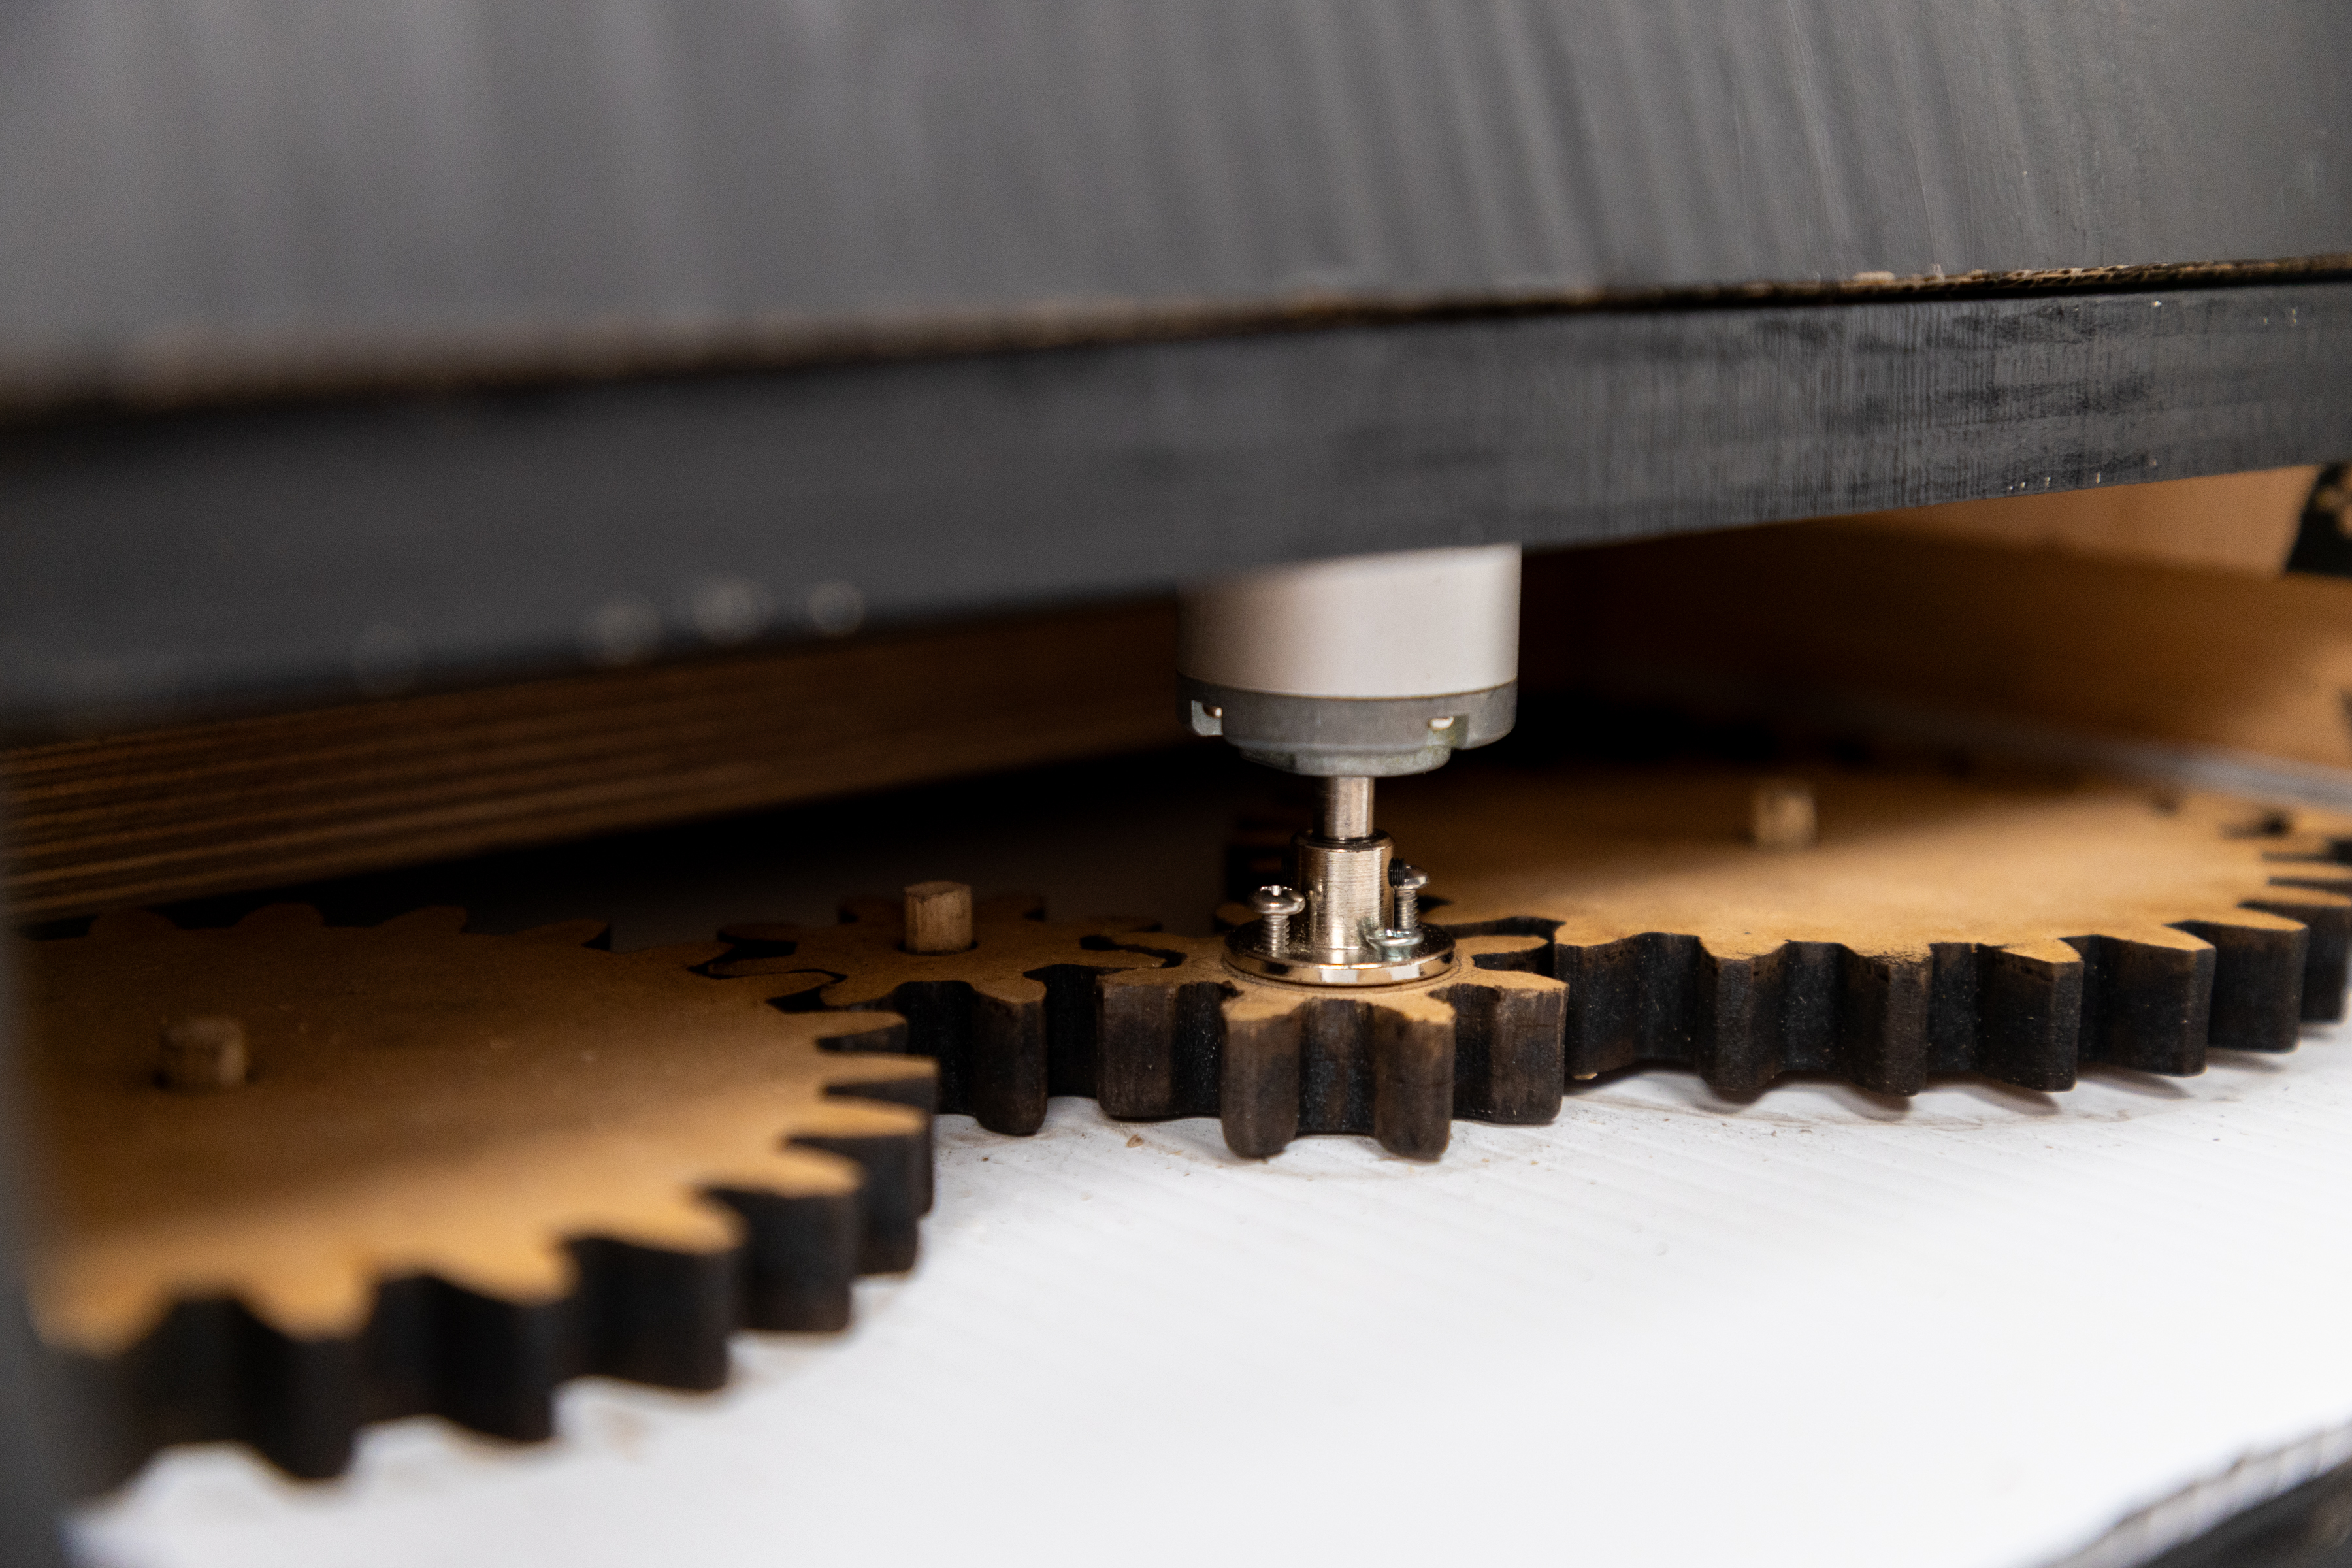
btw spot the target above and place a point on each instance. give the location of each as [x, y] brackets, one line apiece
[1364, 666]
[1367, 667]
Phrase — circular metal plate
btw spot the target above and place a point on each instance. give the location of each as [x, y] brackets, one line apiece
[1246, 953]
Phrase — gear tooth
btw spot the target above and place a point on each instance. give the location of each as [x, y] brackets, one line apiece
[1005, 1083]
[282, 917]
[1508, 1042]
[1882, 1019]
[211, 1371]
[800, 1256]
[764, 932]
[782, 980]
[1258, 1083]
[305, 1398]
[871, 1033]
[2146, 997]
[894, 1161]
[1412, 1075]
[895, 1080]
[570, 933]
[677, 955]
[847, 1115]
[867, 909]
[2259, 963]
[2030, 1013]
[744, 968]
[811, 990]
[132, 925]
[2324, 908]
[656, 1315]
[438, 919]
[1674, 1019]
[1505, 954]
[1009, 907]
[493, 1365]
[1157, 1031]
[1590, 1039]
[917, 1092]
[1724, 1012]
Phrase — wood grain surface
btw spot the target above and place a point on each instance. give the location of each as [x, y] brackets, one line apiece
[2153, 612]
[168, 813]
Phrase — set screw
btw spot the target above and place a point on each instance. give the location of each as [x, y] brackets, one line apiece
[1275, 905]
[1408, 881]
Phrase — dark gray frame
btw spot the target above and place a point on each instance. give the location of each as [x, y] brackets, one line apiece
[168, 561]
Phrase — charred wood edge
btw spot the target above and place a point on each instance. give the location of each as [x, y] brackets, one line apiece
[645, 350]
[1334, 1064]
[2028, 1015]
[1887, 1022]
[213, 1371]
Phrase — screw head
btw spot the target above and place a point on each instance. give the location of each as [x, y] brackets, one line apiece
[1276, 899]
[1403, 876]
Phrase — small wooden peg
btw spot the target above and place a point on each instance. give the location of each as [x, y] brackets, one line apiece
[938, 917]
[200, 1055]
[1782, 815]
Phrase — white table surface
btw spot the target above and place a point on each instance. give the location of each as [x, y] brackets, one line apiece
[1819, 1328]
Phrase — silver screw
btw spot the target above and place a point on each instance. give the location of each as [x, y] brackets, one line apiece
[1408, 881]
[1275, 905]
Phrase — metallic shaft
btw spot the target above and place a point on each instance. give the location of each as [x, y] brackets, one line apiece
[1347, 808]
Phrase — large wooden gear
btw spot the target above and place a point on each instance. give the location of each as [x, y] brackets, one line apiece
[1155, 1025]
[461, 1169]
[1936, 926]
[1612, 918]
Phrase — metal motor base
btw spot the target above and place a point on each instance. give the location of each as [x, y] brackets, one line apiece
[1245, 954]
[1354, 918]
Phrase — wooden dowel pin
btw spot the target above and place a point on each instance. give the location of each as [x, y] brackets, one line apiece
[1782, 817]
[202, 1055]
[938, 917]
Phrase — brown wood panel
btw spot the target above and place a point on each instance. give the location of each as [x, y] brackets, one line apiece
[1773, 619]
[2228, 522]
[242, 803]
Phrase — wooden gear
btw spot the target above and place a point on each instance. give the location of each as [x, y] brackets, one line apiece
[464, 1168]
[1607, 919]
[1935, 926]
[1009, 1020]
[1155, 1025]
